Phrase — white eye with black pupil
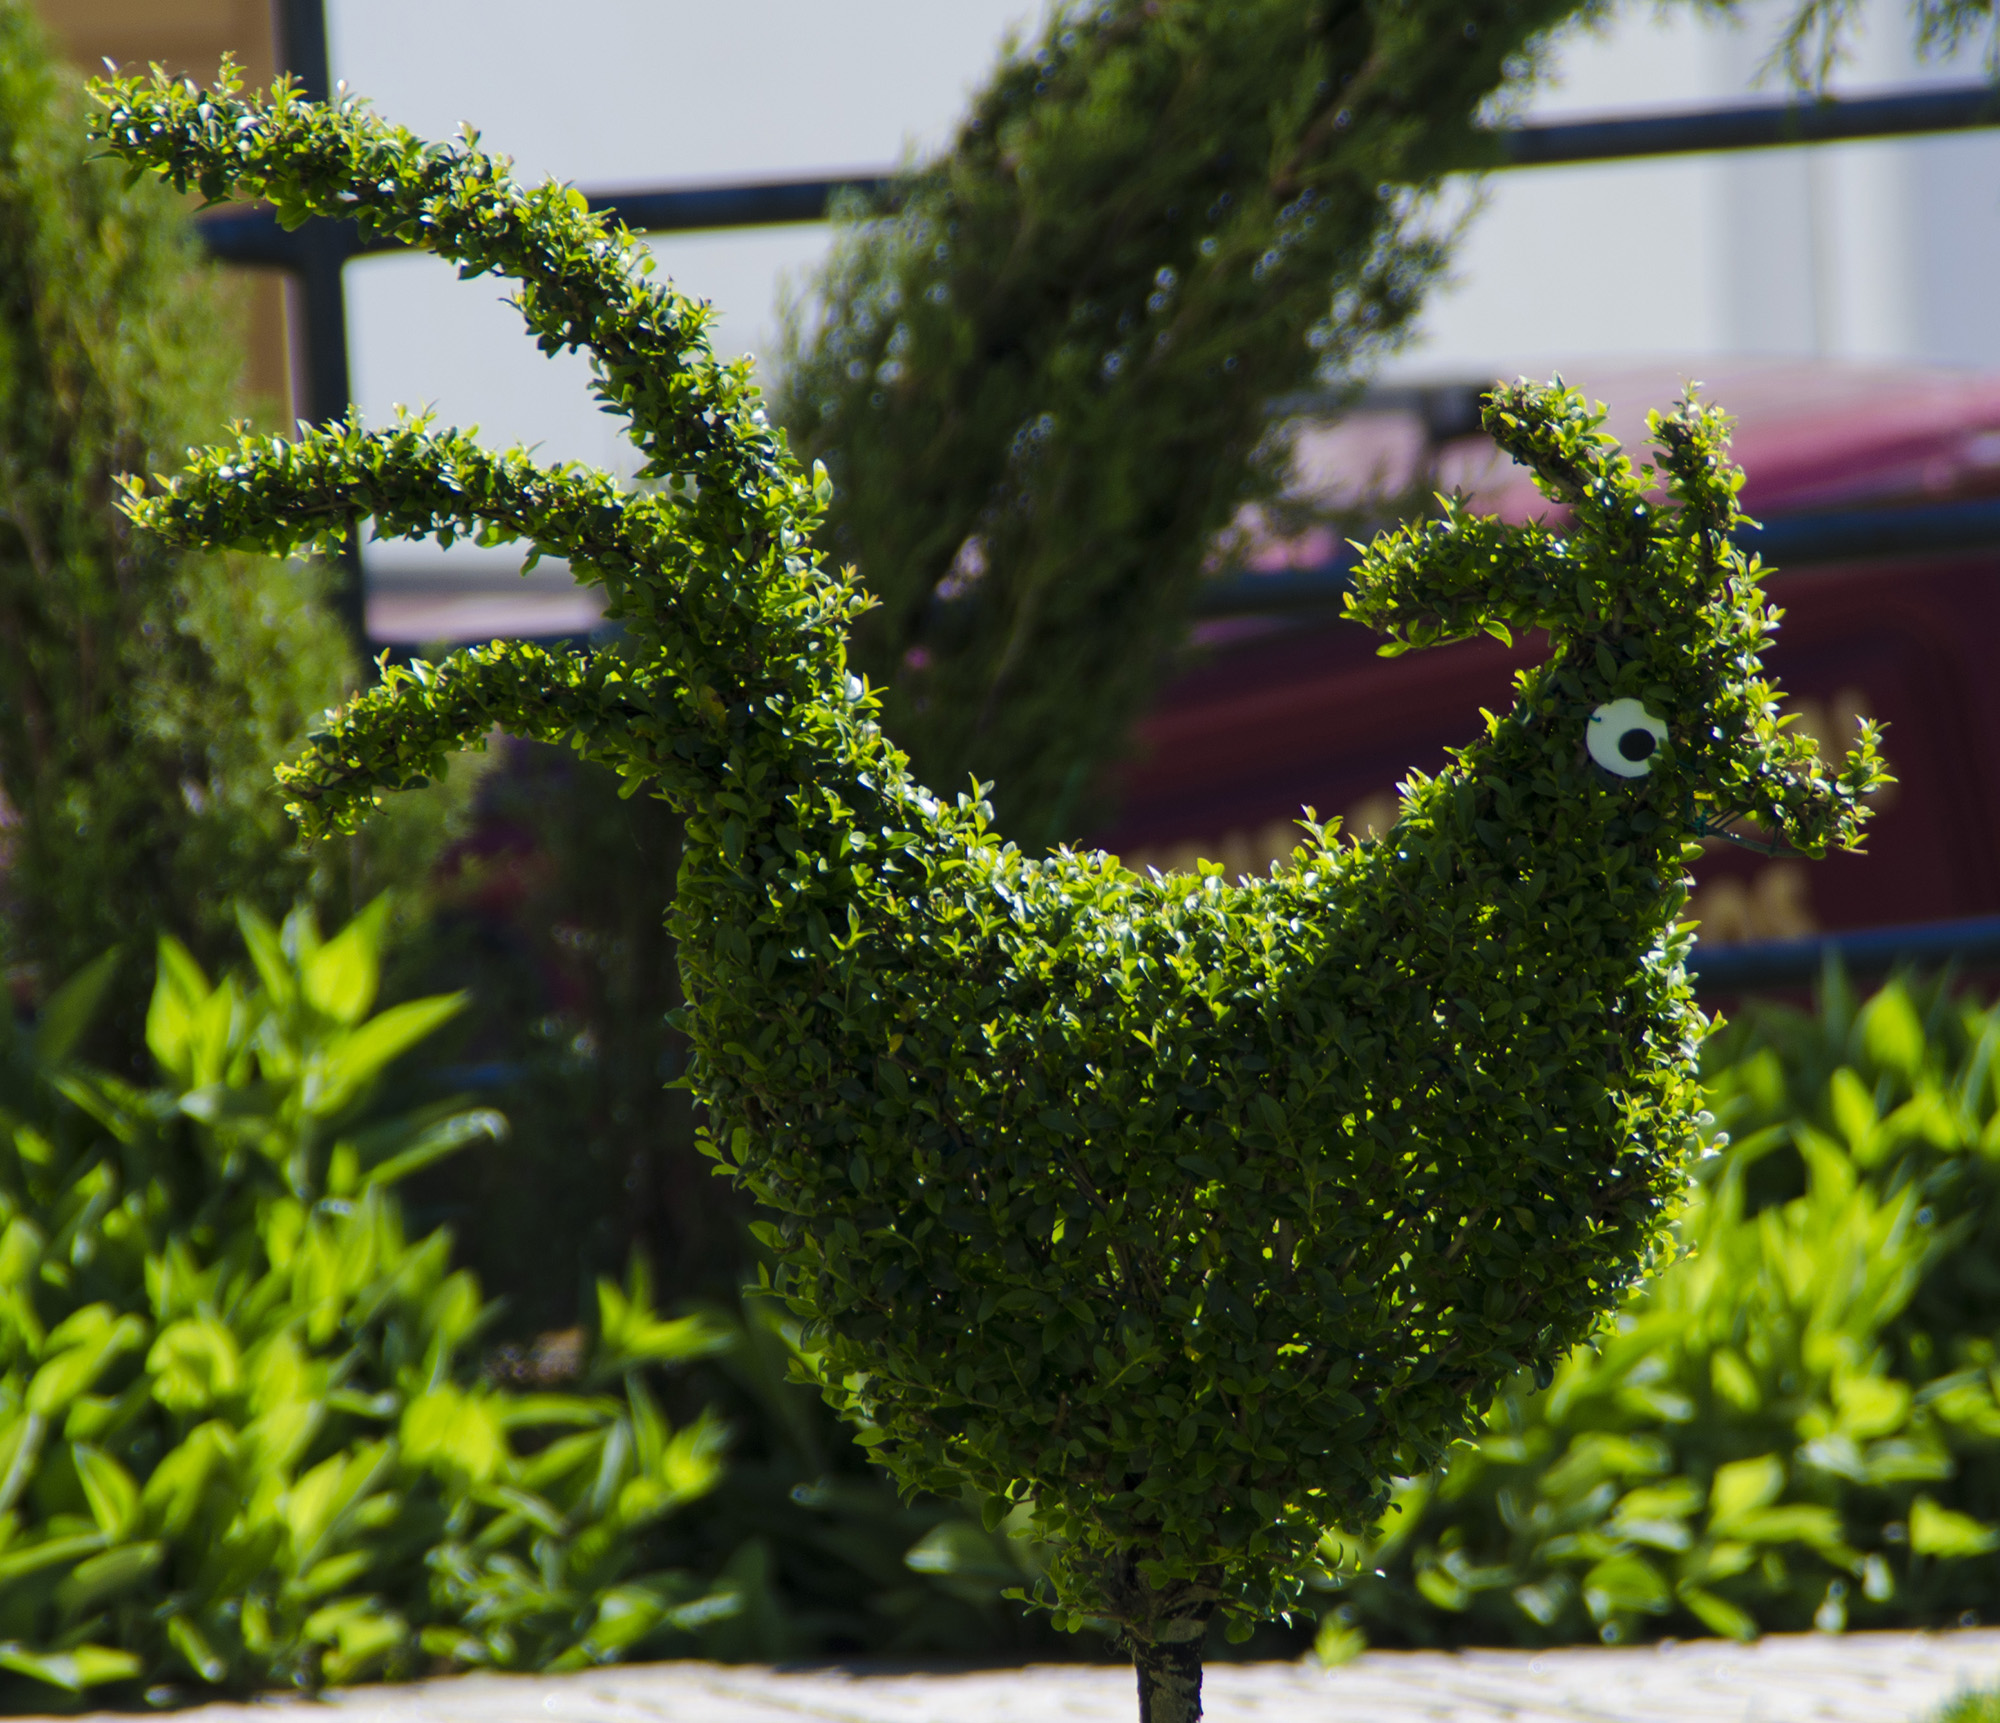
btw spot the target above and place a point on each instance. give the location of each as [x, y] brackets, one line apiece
[1624, 738]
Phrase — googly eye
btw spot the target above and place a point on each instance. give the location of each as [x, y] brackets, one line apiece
[1624, 738]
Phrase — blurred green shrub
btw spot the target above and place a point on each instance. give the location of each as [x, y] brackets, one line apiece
[1041, 370]
[548, 915]
[245, 1436]
[1796, 1424]
[144, 691]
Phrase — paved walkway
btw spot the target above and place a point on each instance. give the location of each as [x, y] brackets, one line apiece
[1807, 1678]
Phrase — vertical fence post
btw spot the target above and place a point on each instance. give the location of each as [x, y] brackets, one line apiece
[320, 250]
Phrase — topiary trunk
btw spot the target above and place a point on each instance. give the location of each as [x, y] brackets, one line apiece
[1169, 1678]
[1165, 1628]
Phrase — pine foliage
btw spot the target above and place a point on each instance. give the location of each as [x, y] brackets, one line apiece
[1041, 371]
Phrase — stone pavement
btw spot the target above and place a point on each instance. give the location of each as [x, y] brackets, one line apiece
[1801, 1678]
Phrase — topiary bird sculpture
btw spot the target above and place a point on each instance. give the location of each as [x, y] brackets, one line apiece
[1186, 1212]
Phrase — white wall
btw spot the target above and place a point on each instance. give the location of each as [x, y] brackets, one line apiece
[614, 93]
[1876, 251]
[1883, 251]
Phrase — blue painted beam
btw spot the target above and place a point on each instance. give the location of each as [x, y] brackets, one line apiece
[1783, 964]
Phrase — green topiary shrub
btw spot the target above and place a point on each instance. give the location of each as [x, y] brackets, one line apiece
[144, 691]
[1187, 1214]
[1042, 378]
[1199, 141]
[1796, 1424]
[244, 1433]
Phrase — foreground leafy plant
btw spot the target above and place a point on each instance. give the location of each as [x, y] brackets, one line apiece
[1186, 1214]
[1796, 1424]
[244, 1437]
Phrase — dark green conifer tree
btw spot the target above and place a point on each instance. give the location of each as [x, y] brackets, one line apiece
[1041, 370]
[144, 692]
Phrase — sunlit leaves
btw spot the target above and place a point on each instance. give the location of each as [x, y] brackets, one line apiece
[244, 1437]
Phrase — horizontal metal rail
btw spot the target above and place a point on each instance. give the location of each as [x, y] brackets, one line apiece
[1785, 542]
[252, 236]
[1779, 964]
[249, 234]
[1750, 126]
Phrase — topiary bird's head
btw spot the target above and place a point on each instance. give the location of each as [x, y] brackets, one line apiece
[1655, 691]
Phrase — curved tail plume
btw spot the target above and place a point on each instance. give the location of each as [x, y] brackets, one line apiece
[708, 568]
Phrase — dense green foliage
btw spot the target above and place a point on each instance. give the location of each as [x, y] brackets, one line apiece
[144, 691]
[244, 1433]
[814, 1542]
[1041, 373]
[1185, 1214]
[1797, 1424]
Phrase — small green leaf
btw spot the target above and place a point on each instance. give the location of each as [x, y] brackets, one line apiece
[80, 1667]
[1946, 1533]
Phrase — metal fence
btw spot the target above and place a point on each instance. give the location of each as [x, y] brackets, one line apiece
[315, 254]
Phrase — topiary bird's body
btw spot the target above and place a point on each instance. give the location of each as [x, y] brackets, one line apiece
[1188, 1211]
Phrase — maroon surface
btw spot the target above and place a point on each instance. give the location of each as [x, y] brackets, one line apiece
[1311, 716]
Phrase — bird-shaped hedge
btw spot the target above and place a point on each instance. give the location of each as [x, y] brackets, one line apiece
[1189, 1212]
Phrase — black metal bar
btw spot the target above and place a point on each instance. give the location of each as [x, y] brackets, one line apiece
[1972, 943]
[760, 203]
[325, 389]
[253, 236]
[315, 255]
[1757, 125]
[301, 45]
[249, 235]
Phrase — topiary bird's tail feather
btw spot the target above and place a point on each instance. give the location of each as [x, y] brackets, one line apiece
[708, 568]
